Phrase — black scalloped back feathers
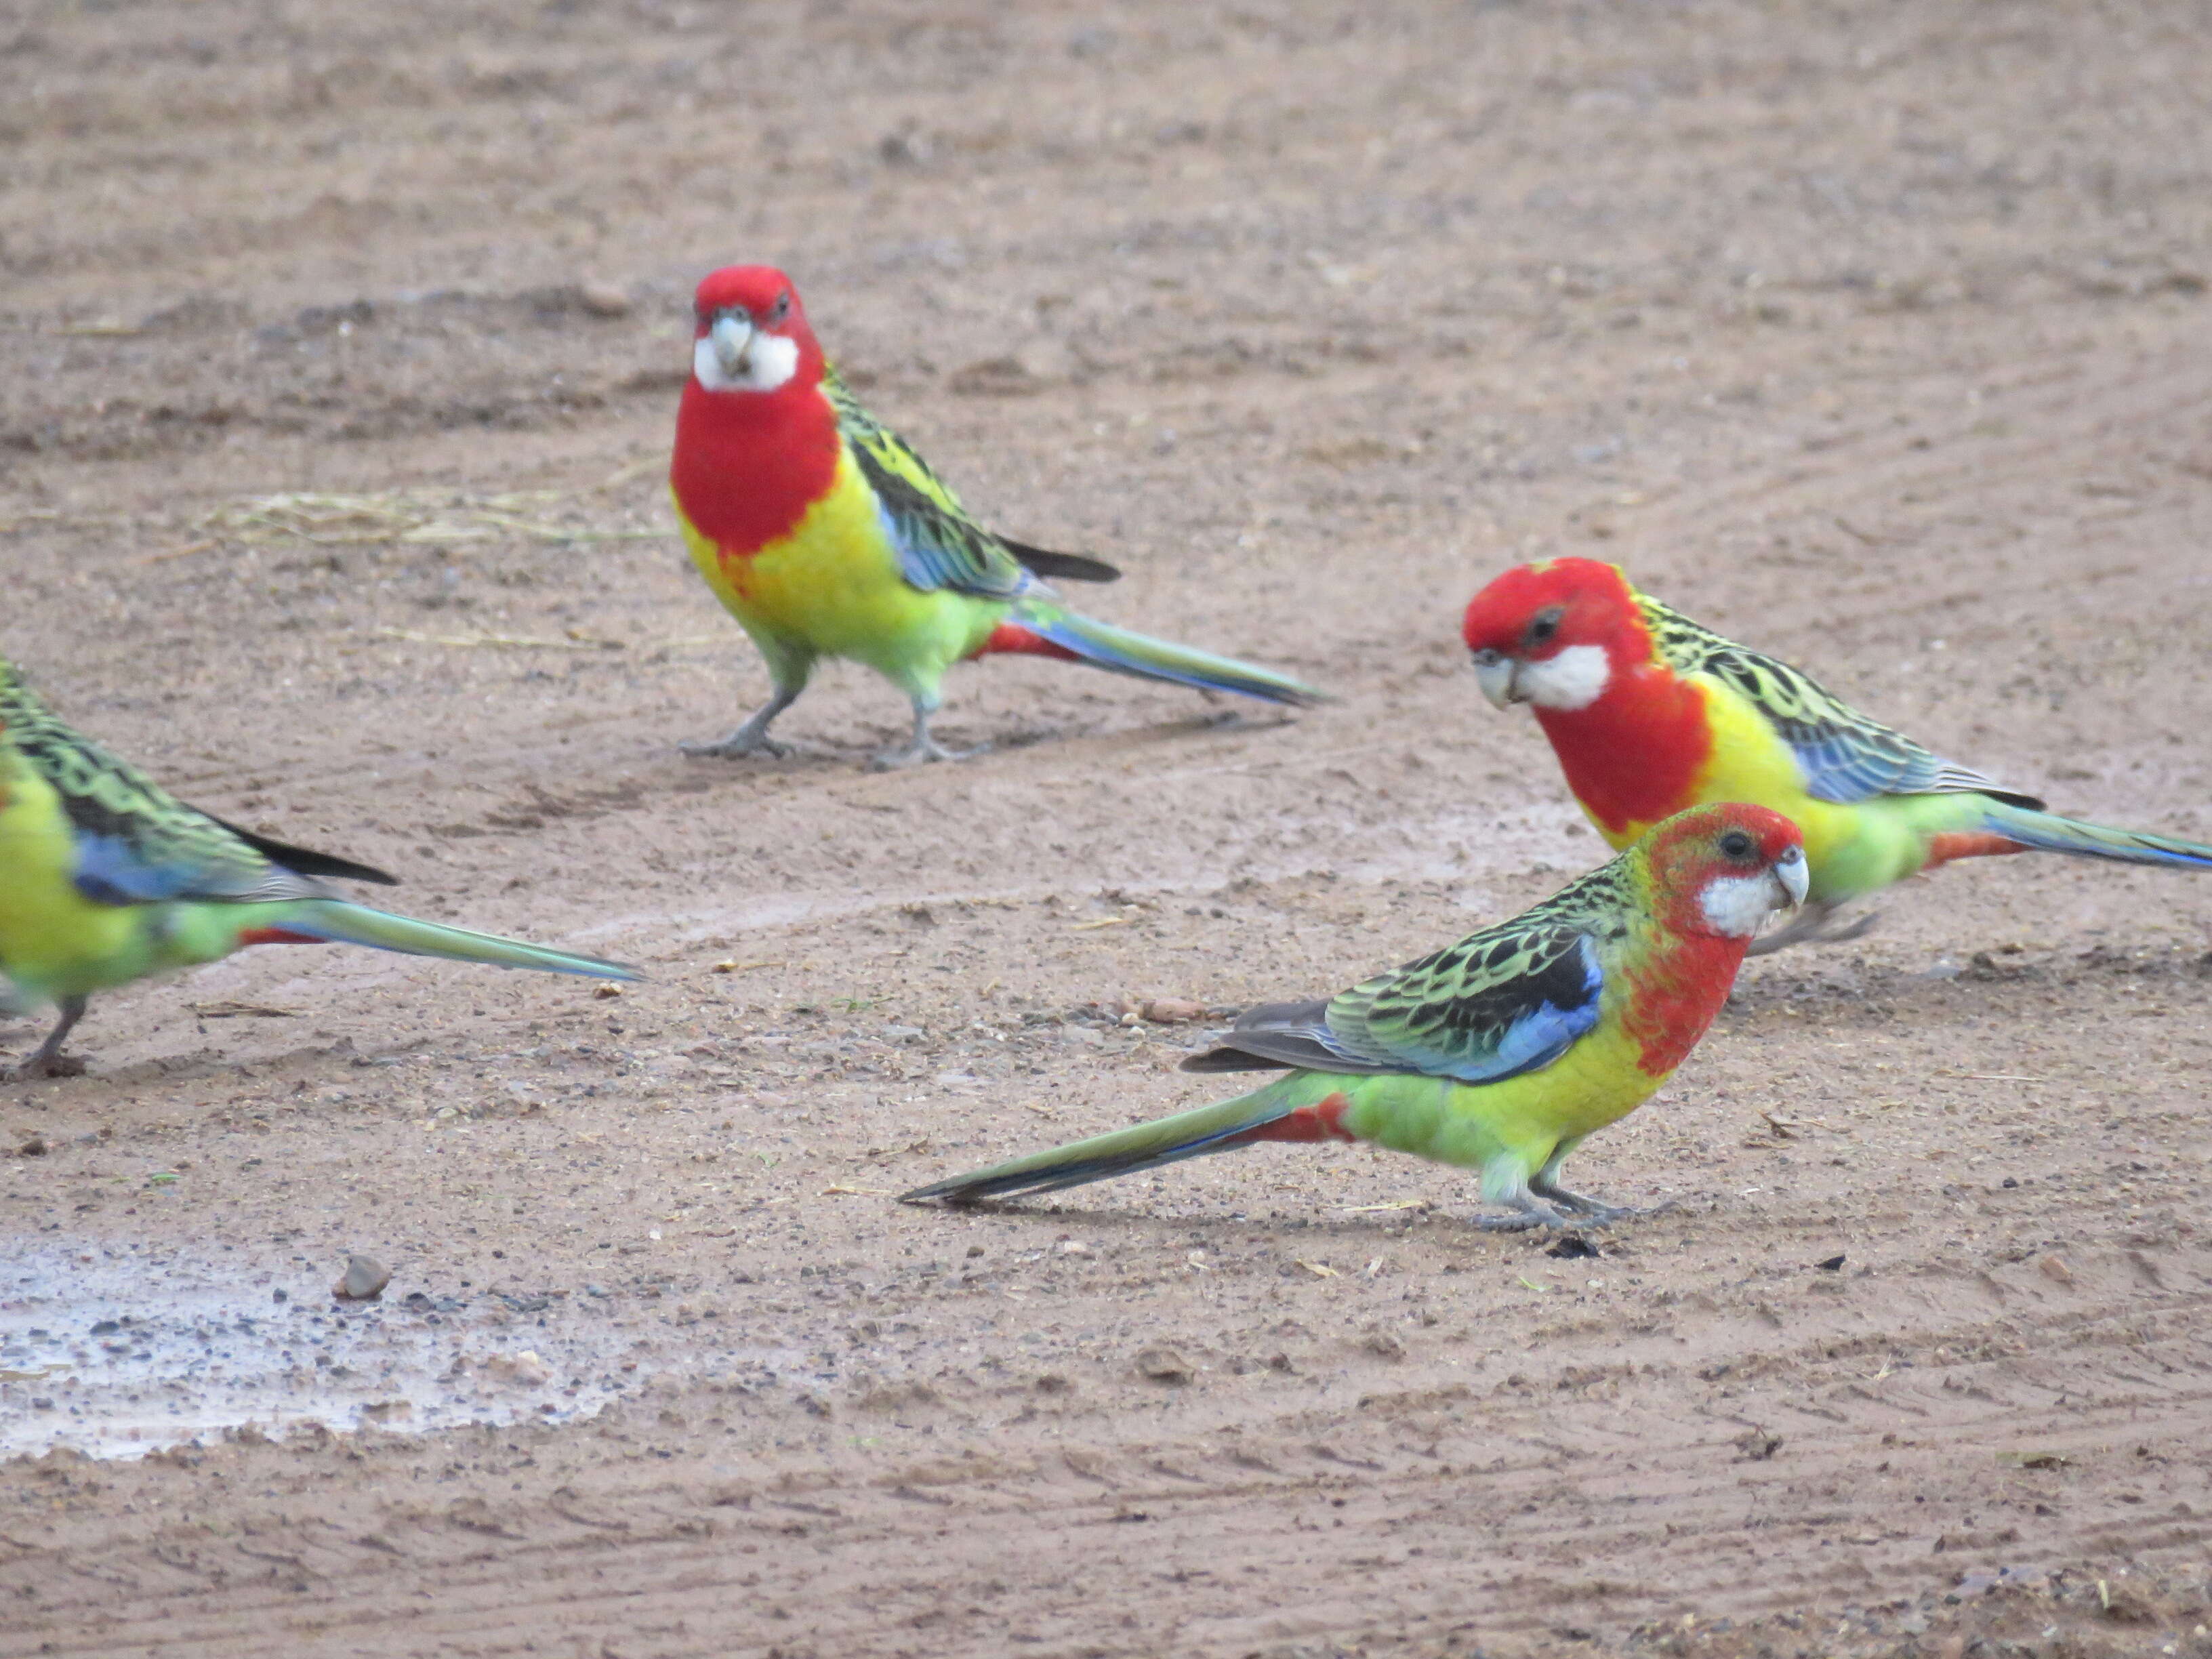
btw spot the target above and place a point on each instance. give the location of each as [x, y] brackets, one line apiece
[1511, 999]
[939, 545]
[1847, 758]
[136, 841]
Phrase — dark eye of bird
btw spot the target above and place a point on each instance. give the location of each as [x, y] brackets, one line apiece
[782, 304]
[1545, 624]
[1736, 845]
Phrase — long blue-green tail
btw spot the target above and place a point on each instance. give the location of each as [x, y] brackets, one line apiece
[2046, 832]
[1043, 630]
[1302, 1106]
[336, 921]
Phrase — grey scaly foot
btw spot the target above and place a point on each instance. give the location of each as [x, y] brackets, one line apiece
[35, 1068]
[921, 748]
[1595, 1213]
[751, 737]
[921, 753]
[1592, 1211]
[48, 1060]
[1527, 1211]
[743, 741]
[1810, 927]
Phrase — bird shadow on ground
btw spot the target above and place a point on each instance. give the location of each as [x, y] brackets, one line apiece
[1380, 1222]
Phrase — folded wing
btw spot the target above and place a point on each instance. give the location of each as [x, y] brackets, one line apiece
[938, 545]
[1509, 1000]
[135, 843]
[1846, 756]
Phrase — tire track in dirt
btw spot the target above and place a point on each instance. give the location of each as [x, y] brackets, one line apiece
[1604, 1450]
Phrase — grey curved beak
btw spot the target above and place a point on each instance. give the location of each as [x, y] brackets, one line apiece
[1496, 676]
[1791, 870]
[732, 338]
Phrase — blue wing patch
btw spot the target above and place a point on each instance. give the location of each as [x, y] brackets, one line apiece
[934, 553]
[109, 871]
[1840, 769]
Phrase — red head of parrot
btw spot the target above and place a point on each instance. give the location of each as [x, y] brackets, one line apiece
[1719, 872]
[1716, 874]
[756, 441]
[1568, 638]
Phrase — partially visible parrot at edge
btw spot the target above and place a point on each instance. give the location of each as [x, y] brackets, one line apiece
[1499, 1053]
[1650, 712]
[105, 878]
[826, 536]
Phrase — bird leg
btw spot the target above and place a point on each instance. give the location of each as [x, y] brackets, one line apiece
[921, 748]
[48, 1060]
[1810, 927]
[751, 737]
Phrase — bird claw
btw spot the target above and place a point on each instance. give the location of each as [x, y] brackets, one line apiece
[1593, 1213]
[1563, 1212]
[1527, 1213]
[1810, 927]
[1604, 1216]
[738, 743]
[46, 1065]
[923, 753]
[1589, 1213]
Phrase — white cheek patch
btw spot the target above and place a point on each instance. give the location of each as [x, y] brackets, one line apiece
[1739, 905]
[1574, 679]
[770, 361]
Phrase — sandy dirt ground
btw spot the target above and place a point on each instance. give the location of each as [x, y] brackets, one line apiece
[338, 353]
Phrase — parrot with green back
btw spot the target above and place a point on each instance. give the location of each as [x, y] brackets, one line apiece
[1650, 713]
[1499, 1053]
[105, 878]
[826, 536]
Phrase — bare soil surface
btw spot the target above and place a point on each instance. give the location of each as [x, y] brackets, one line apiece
[338, 353]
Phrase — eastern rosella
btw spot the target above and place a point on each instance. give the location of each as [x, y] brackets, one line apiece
[1499, 1053]
[1650, 712]
[825, 535]
[106, 877]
